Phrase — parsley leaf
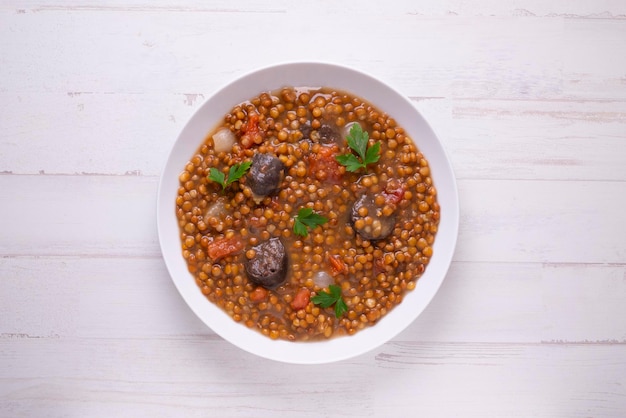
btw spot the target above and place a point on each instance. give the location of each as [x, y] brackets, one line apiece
[307, 218]
[217, 176]
[350, 161]
[332, 297]
[234, 173]
[357, 140]
[237, 171]
[371, 156]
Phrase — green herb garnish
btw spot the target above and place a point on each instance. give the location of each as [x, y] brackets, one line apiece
[333, 297]
[307, 218]
[234, 173]
[357, 141]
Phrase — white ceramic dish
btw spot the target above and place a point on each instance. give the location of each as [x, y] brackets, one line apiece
[310, 75]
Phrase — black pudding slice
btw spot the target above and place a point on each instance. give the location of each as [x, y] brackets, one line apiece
[268, 267]
[266, 174]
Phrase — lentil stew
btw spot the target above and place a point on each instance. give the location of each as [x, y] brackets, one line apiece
[243, 191]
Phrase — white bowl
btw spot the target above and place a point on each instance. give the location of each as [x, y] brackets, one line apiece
[310, 75]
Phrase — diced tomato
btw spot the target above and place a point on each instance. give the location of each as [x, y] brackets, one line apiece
[301, 299]
[223, 247]
[337, 265]
[258, 294]
[253, 123]
[252, 134]
[323, 165]
[394, 192]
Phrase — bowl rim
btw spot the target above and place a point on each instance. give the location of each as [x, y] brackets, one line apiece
[334, 349]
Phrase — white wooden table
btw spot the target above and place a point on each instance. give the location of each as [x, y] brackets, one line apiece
[528, 97]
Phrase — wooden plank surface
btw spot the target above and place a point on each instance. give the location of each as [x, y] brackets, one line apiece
[528, 98]
[115, 377]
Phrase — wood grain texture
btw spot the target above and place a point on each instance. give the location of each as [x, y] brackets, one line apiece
[180, 377]
[448, 56]
[527, 96]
